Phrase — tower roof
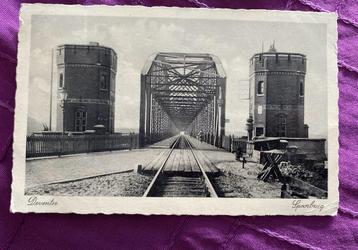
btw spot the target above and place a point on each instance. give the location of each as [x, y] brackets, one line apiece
[272, 51]
[94, 45]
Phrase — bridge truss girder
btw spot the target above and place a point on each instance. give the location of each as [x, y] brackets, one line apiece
[181, 92]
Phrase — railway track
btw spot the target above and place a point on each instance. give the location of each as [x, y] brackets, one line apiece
[194, 184]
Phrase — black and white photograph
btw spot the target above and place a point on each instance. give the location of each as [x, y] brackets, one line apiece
[172, 111]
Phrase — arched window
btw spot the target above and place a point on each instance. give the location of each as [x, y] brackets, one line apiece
[260, 88]
[103, 82]
[302, 88]
[60, 81]
[80, 119]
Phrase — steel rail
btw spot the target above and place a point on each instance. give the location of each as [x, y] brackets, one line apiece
[206, 178]
[151, 185]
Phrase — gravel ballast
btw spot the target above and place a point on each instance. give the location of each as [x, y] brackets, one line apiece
[239, 182]
[121, 184]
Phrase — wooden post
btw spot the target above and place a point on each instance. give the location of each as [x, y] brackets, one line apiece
[138, 169]
[284, 193]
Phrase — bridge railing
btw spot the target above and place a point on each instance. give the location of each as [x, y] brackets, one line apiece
[230, 143]
[38, 145]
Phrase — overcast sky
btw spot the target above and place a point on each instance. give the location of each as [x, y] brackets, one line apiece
[135, 39]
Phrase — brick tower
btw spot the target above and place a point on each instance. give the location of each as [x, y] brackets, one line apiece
[277, 83]
[85, 87]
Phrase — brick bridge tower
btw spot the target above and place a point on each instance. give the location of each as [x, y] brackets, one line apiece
[85, 87]
[277, 88]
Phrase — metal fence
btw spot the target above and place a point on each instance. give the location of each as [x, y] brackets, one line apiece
[229, 143]
[61, 144]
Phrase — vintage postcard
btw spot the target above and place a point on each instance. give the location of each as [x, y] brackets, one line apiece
[140, 110]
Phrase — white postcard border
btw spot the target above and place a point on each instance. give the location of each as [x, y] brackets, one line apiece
[171, 206]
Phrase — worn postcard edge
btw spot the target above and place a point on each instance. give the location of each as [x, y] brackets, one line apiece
[172, 206]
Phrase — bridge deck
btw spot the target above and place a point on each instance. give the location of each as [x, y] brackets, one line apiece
[166, 143]
[182, 160]
[201, 145]
[71, 167]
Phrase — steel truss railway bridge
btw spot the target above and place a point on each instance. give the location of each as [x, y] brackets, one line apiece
[182, 92]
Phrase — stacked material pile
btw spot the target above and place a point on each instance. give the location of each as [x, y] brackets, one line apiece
[314, 176]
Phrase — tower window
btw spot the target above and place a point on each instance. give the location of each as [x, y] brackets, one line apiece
[103, 82]
[259, 131]
[60, 82]
[80, 120]
[112, 83]
[260, 88]
[302, 88]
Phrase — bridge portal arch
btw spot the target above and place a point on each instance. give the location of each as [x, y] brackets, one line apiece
[182, 92]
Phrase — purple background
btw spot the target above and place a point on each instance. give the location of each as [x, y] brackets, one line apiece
[44, 231]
